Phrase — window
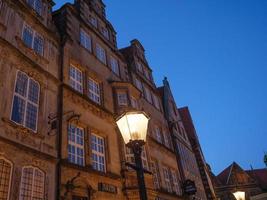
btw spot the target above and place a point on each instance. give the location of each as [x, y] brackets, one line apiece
[147, 74]
[25, 101]
[101, 54]
[166, 139]
[114, 66]
[122, 99]
[36, 5]
[176, 185]
[156, 101]
[156, 176]
[32, 39]
[167, 179]
[98, 153]
[32, 184]
[134, 102]
[93, 21]
[105, 32]
[5, 178]
[158, 134]
[76, 79]
[94, 91]
[139, 84]
[75, 145]
[85, 40]
[130, 157]
[139, 67]
[148, 95]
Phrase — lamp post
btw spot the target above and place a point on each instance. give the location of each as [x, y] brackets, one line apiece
[239, 195]
[133, 127]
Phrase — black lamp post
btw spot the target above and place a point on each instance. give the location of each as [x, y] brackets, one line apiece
[133, 127]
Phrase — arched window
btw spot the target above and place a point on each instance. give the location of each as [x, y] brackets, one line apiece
[32, 184]
[26, 101]
[5, 178]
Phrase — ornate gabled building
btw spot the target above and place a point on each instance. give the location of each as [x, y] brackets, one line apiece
[234, 178]
[64, 83]
[29, 54]
[196, 147]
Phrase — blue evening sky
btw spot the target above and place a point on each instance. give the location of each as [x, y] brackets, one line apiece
[214, 54]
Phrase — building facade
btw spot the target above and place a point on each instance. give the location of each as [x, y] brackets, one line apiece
[65, 82]
[29, 54]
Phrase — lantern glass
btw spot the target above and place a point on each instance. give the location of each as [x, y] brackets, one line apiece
[133, 126]
[239, 195]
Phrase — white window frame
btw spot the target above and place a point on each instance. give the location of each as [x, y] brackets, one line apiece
[11, 170]
[85, 40]
[122, 98]
[95, 93]
[114, 65]
[156, 175]
[101, 54]
[76, 145]
[33, 181]
[167, 179]
[34, 6]
[26, 101]
[98, 153]
[34, 36]
[73, 81]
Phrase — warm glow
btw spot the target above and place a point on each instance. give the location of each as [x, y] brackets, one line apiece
[133, 126]
[239, 195]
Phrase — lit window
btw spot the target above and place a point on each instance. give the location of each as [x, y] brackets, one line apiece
[94, 91]
[5, 178]
[32, 39]
[158, 134]
[167, 179]
[76, 79]
[85, 40]
[114, 66]
[176, 185]
[98, 153]
[25, 101]
[32, 184]
[122, 99]
[76, 145]
[130, 157]
[93, 21]
[101, 54]
[148, 95]
[156, 175]
[134, 102]
[105, 32]
[36, 5]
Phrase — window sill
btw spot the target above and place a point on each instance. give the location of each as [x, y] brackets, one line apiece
[30, 52]
[22, 129]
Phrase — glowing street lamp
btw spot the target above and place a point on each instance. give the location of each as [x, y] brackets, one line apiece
[239, 195]
[133, 127]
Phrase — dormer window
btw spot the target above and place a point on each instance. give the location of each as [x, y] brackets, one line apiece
[36, 5]
[105, 33]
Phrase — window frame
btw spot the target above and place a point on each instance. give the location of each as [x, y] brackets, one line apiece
[156, 175]
[33, 180]
[122, 101]
[158, 134]
[25, 99]
[74, 80]
[134, 102]
[116, 66]
[35, 35]
[11, 174]
[75, 144]
[98, 153]
[94, 94]
[101, 54]
[35, 8]
[167, 178]
[87, 38]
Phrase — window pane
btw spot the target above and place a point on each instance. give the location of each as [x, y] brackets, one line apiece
[98, 153]
[31, 116]
[27, 36]
[38, 6]
[76, 79]
[38, 45]
[33, 94]
[5, 181]
[21, 84]
[18, 110]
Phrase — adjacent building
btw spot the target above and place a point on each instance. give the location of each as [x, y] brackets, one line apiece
[63, 83]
